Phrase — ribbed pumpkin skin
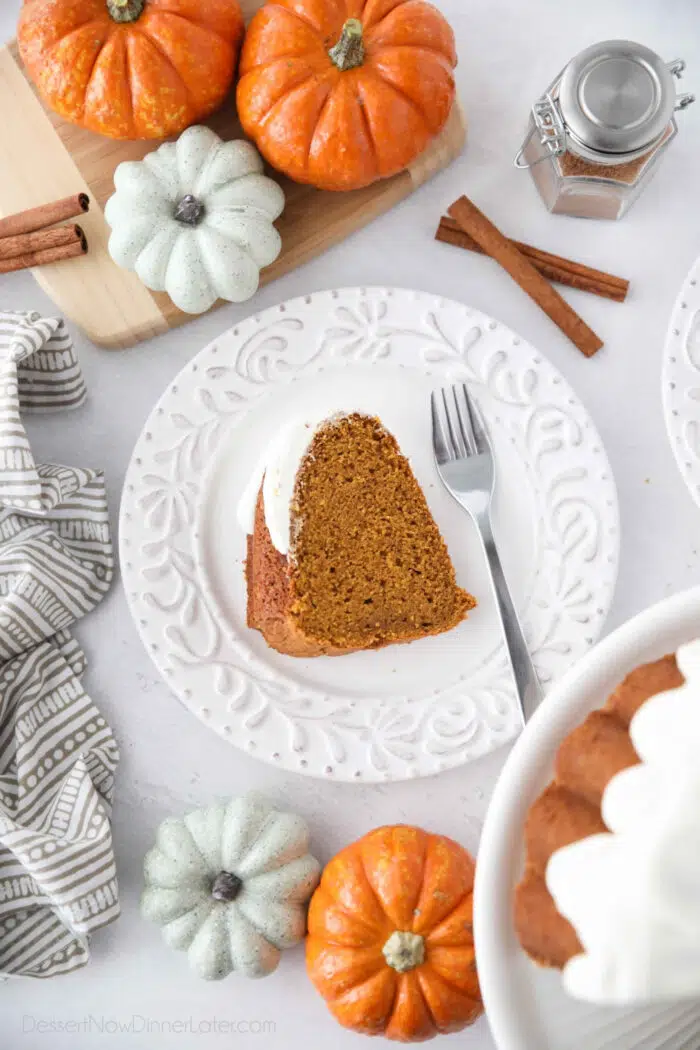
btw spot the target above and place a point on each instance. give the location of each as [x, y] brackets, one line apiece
[396, 878]
[146, 79]
[344, 129]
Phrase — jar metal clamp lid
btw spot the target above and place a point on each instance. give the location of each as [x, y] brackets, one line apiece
[611, 103]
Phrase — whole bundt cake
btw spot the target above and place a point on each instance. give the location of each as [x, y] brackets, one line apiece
[569, 809]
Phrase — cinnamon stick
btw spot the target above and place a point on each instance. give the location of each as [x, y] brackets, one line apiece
[45, 215]
[554, 267]
[473, 222]
[47, 255]
[40, 240]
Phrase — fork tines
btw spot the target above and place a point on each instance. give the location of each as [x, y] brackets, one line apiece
[458, 428]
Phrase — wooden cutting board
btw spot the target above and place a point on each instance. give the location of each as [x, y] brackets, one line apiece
[50, 159]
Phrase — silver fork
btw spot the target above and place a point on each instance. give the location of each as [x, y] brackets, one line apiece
[466, 466]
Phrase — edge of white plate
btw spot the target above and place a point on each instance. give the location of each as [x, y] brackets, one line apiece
[673, 370]
[661, 628]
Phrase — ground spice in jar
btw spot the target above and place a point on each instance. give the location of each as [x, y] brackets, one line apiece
[572, 165]
[596, 136]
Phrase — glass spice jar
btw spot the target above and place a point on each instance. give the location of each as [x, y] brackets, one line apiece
[596, 136]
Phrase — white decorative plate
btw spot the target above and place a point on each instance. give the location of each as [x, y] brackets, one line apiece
[527, 1007]
[681, 381]
[404, 711]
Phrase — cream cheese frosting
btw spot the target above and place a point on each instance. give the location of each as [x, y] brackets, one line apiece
[276, 471]
[633, 896]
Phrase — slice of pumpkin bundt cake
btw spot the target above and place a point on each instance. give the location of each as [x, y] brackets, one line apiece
[343, 551]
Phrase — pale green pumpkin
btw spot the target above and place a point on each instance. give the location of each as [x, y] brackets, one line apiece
[230, 885]
[195, 218]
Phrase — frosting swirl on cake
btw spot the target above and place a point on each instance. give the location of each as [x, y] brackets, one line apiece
[633, 896]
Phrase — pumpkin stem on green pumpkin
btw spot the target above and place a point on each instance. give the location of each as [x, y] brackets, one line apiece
[349, 52]
[125, 10]
[404, 951]
[226, 887]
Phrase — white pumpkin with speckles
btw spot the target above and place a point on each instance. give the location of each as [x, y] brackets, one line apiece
[230, 886]
[195, 219]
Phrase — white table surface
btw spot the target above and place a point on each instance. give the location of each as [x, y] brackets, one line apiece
[135, 990]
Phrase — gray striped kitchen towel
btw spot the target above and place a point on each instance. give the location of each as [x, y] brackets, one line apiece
[39, 372]
[57, 754]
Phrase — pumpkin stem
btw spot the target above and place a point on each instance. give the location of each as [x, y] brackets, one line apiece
[226, 886]
[404, 951]
[349, 52]
[125, 10]
[189, 210]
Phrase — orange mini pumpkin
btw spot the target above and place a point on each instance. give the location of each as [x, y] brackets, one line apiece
[131, 69]
[390, 944]
[340, 93]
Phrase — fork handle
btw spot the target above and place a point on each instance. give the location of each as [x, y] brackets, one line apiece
[526, 681]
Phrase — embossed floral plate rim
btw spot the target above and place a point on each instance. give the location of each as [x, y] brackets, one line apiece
[526, 1005]
[264, 712]
[681, 381]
